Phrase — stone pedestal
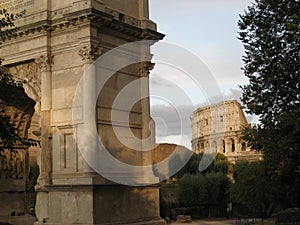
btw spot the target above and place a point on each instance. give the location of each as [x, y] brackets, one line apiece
[101, 204]
[64, 38]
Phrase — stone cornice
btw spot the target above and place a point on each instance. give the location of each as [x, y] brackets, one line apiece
[128, 26]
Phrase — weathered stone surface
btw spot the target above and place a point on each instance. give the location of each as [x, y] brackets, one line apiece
[18, 220]
[62, 39]
[14, 167]
[30, 73]
[183, 219]
[218, 128]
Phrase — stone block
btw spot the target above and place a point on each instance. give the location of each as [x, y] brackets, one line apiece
[183, 219]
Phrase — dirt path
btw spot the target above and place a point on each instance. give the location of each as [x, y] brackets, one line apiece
[208, 222]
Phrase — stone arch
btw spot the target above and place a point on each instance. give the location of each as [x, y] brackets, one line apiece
[14, 167]
[223, 146]
[207, 146]
[29, 73]
[243, 146]
[232, 142]
[202, 146]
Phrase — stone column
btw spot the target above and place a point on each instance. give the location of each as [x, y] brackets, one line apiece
[45, 153]
[145, 105]
[228, 145]
[88, 54]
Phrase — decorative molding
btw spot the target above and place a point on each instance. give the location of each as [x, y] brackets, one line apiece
[89, 53]
[146, 67]
[44, 62]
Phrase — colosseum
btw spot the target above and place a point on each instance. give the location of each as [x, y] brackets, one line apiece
[218, 128]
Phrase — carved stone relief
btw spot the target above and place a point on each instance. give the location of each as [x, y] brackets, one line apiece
[30, 73]
[145, 68]
[89, 53]
[14, 167]
[12, 164]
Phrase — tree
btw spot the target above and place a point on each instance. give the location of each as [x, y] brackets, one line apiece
[8, 132]
[207, 190]
[254, 188]
[192, 190]
[220, 164]
[270, 33]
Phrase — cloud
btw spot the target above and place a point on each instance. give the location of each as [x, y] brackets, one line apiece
[173, 124]
[208, 28]
[172, 120]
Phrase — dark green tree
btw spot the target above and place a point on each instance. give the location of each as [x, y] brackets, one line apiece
[208, 190]
[192, 191]
[220, 164]
[254, 188]
[217, 185]
[8, 133]
[270, 32]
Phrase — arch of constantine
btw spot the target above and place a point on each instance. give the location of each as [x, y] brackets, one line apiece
[56, 43]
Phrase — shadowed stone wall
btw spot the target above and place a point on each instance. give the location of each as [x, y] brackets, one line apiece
[14, 166]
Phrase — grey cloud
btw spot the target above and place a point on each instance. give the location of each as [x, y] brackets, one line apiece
[175, 120]
[172, 120]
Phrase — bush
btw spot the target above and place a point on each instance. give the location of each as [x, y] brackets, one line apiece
[288, 216]
[204, 190]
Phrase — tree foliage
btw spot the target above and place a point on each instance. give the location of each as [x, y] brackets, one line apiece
[270, 32]
[207, 190]
[254, 188]
[220, 164]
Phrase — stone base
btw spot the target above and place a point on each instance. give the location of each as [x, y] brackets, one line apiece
[18, 220]
[98, 205]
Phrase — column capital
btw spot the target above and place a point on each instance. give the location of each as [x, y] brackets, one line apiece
[44, 62]
[89, 53]
[146, 67]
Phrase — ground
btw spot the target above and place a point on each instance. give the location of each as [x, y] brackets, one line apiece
[208, 222]
[223, 222]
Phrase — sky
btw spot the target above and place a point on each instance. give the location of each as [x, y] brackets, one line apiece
[201, 65]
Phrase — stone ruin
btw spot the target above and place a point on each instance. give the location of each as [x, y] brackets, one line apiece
[14, 166]
[58, 41]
